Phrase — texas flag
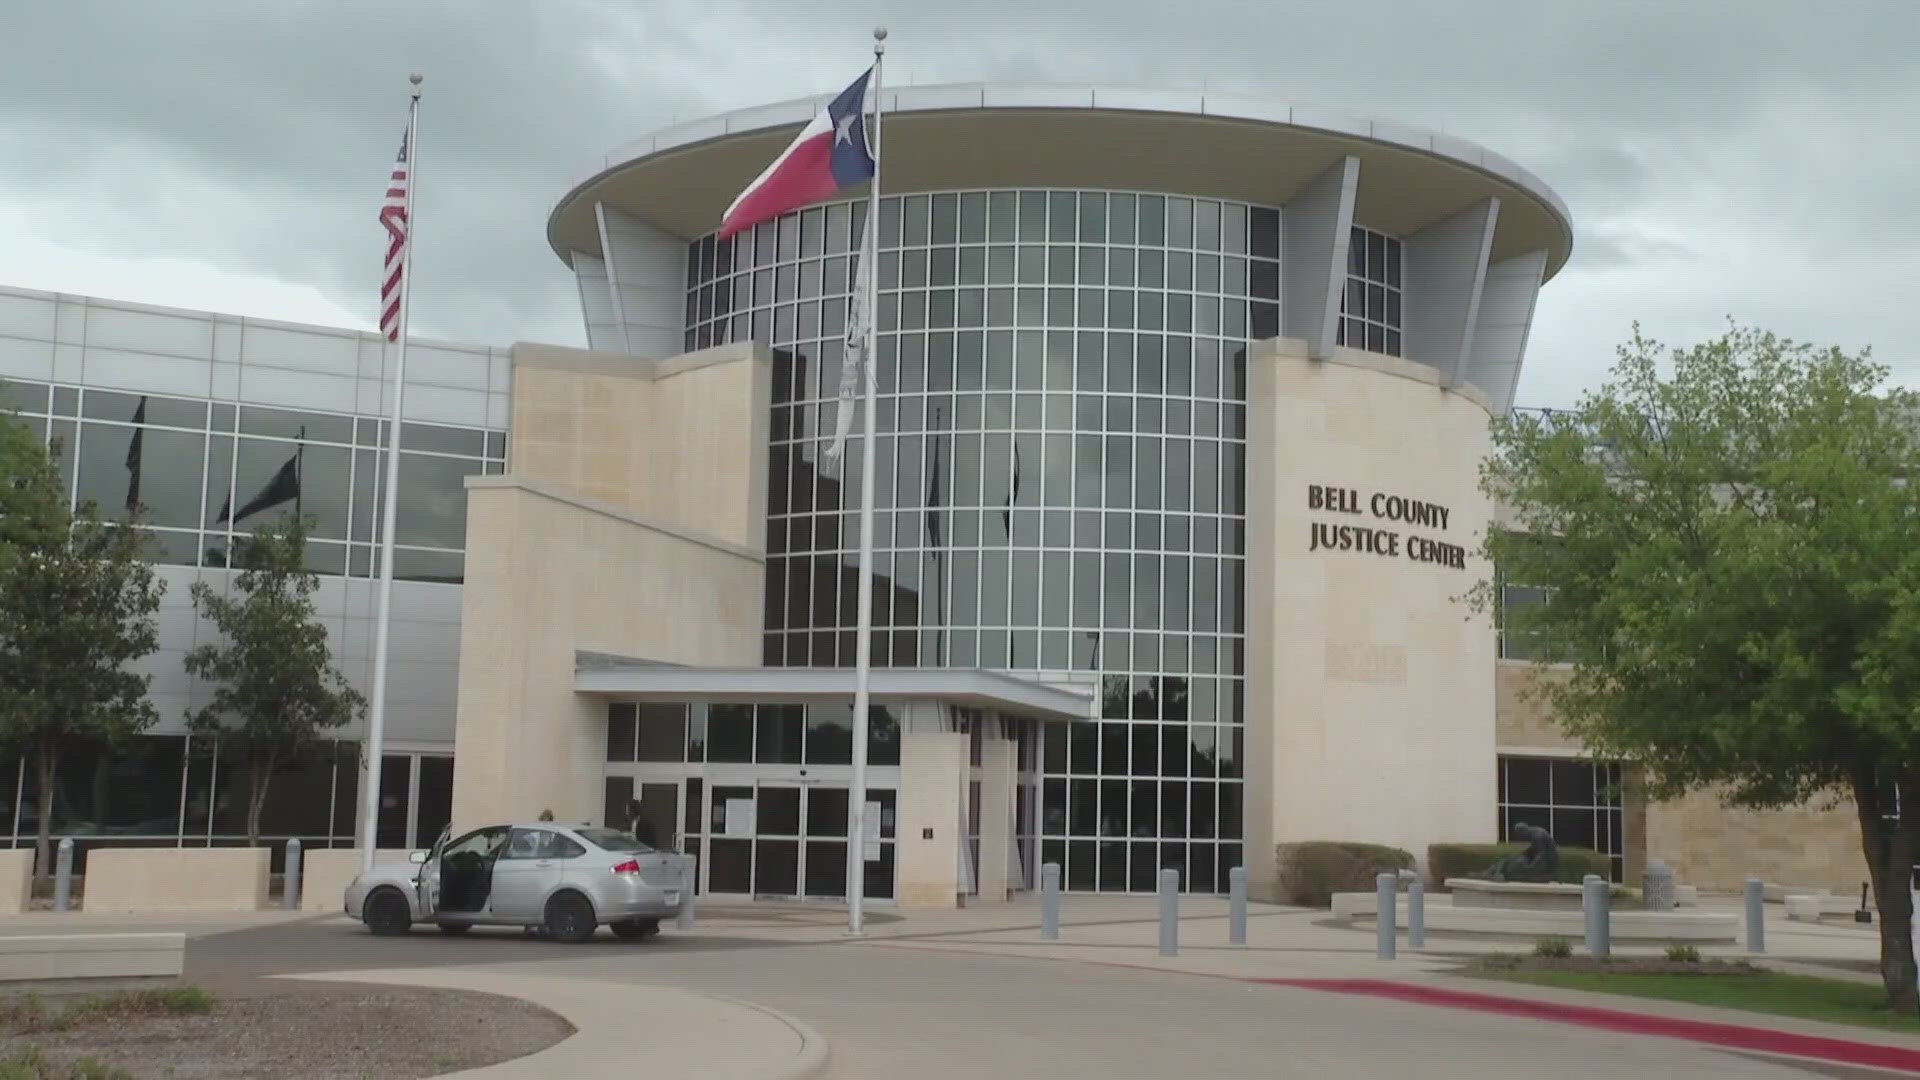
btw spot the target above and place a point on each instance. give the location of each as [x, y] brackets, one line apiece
[829, 155]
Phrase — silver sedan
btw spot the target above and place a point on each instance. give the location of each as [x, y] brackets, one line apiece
[565, 881]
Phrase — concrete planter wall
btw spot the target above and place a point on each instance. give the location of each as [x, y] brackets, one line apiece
[138, 880]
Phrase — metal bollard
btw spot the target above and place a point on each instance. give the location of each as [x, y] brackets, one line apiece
[1756, 895]
[1416, 911]
[689, 878]
[1597, 899]
[63, 876]
[1237, 906]
[1169, 912]
[1386, 913]
[1050, 901]
[290, 879]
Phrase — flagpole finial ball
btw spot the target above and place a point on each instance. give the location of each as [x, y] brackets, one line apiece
[879, 33]
[416, 78]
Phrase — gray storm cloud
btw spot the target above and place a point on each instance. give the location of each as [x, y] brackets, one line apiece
[1751, 159]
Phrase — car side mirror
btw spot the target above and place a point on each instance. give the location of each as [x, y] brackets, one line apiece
[417, 857]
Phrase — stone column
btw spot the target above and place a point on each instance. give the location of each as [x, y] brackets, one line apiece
[998, 787]
[933, 788]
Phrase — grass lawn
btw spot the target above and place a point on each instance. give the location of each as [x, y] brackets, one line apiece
[1801, 996]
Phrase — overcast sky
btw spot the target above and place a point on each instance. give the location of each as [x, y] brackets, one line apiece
[1748, 158]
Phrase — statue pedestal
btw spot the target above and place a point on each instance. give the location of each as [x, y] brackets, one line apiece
[1514, 895]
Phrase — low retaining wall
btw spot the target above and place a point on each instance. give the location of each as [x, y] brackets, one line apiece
[1777, 894]
[1514, 895]
[16, 880]
[325, 874]
[136, 880]
[1820, 906]
[1629, 925]
[91, 956]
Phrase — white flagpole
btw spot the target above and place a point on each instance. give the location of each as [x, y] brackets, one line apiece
[863, 646]
[377, 711]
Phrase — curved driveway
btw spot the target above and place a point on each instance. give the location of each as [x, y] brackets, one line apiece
[892, 1008]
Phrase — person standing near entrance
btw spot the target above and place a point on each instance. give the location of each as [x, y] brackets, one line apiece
[639, 826]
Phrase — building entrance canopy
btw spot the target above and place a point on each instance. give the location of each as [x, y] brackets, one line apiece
[630, 679]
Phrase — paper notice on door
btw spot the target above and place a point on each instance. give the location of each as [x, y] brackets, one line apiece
[739, 817]
[870, 833]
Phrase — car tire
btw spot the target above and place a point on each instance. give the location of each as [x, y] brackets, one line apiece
[570, 918]
[386, 913]
[636, 929]
[455, 927]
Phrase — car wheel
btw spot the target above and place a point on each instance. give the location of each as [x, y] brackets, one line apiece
[637, 929]
[387, 913]
[455, 927]
[570, 918]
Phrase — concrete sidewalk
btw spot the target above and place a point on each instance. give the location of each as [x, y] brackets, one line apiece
[1304, 945]
[191, 923]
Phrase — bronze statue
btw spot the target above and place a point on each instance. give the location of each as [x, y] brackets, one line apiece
[1536, 864]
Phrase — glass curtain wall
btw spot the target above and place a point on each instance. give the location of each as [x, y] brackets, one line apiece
[1061, 459]
[207, 471]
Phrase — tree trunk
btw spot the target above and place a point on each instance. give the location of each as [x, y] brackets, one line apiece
[259, 775]
[1889, 849]
[43, 841]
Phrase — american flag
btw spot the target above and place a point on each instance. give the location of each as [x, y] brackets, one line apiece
[393, 215]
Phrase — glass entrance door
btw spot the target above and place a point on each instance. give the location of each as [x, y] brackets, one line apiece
[787, 840]
[824, 859]
[776, 843]
[657, 819]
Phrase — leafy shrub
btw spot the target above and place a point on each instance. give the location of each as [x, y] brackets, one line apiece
[1553, 948]
[1683, 954]
[30, 1013]
[1312, 871]
[1474, 860]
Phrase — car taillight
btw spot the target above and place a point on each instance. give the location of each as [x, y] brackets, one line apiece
[631, 866]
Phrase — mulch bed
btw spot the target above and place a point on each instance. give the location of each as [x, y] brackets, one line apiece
[1620, 965]
[281, 1028]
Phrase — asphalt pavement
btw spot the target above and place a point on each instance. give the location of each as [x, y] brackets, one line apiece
[900, 1004]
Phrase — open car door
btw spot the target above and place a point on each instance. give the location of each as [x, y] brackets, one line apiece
[426, 882]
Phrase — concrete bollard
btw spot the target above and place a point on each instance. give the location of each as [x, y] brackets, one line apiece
[1756, 896]
[63, 876]
[290, 880]
[1597, 899]
[689, 878]
[1657, 893]
[1416, 911]
[1050, 901]
[1386, 913]
[1237, 906]
[1169, 912]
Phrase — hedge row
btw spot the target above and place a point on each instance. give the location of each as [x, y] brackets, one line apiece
[1311, 872]
[1474, 860]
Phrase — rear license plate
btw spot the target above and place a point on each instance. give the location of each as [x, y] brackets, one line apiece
[673, 897]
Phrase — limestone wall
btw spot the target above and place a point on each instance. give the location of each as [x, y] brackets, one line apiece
[1718, 848]
[132, 880]
[1370, 682]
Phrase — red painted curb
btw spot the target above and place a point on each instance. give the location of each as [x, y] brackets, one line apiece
[1733, 1036]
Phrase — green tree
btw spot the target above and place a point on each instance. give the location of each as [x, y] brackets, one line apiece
[276, 690]
[1729, 543]
[77, 603]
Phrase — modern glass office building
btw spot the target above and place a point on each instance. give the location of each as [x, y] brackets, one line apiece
[1181, 405]
[1083, 451]
[212, 425]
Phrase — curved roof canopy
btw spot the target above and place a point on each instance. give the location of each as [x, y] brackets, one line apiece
[944, 138]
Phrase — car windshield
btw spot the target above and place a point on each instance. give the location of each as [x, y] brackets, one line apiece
[611, 839]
